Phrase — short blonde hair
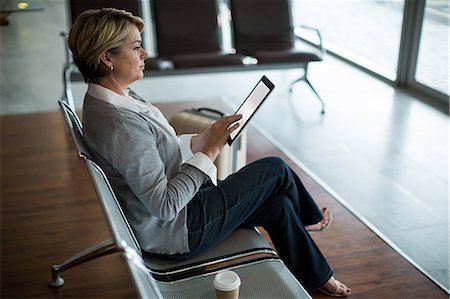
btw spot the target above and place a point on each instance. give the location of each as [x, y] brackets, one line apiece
[97, 31]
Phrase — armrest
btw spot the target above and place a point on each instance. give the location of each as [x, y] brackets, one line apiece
[322, 50]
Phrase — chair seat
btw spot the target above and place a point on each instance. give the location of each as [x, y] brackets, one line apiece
[286, 56]
[215, 59]
[263, 279]
[243, 242]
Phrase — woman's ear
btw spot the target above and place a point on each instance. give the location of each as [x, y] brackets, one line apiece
[106, 59]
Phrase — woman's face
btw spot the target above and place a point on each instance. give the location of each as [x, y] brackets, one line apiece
[128, 64]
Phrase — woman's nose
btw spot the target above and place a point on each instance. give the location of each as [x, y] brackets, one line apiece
[144, 54]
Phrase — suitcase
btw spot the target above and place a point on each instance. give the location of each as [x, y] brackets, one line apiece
[230, 159]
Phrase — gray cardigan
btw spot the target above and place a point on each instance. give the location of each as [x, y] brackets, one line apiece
[142, 160]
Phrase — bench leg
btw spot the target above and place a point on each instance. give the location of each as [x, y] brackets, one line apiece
[96, 251]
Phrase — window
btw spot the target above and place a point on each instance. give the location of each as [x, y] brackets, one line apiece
[433, 59]
[368, 33]
[364, 32]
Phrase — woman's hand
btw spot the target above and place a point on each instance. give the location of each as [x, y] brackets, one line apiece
[212, 140]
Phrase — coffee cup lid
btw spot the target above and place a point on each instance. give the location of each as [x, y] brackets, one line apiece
[227, 281]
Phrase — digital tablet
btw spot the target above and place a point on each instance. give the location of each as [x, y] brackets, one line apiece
[253, 101]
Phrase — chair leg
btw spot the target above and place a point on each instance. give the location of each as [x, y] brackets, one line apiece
[96, 251]
[317, 95]
[304, 77]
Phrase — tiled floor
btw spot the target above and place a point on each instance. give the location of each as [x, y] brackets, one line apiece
[382, 152]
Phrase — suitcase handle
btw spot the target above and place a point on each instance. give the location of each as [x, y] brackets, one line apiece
[210, 110]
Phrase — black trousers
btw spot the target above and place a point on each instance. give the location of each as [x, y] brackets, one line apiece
[265, 193]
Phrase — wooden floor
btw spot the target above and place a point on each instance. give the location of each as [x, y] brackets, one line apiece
[49, 211]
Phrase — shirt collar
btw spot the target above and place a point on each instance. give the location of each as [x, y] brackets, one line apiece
[109, 96]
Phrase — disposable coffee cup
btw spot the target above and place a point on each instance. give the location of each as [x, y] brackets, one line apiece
[227, 285]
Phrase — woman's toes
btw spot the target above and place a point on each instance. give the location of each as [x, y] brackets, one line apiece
[322, 224]
[335, 288]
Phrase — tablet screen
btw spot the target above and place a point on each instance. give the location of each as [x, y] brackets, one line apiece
[251, 104]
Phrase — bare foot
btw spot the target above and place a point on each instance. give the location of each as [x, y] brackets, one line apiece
[335, 288]
[322, 224]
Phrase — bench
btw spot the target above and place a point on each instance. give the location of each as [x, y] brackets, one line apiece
[244, 251]
[198, 36]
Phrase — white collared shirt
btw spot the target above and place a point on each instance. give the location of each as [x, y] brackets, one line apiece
[198, 160]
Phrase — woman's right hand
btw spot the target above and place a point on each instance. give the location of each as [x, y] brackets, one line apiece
[212, 140]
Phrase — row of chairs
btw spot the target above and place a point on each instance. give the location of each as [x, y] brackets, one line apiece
[263, 273]
[218, 35]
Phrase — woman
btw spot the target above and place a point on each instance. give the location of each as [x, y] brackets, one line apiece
[167, 184]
